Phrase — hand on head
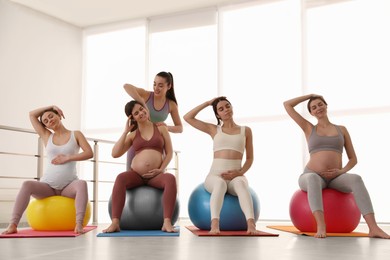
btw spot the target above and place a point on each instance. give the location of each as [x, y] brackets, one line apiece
[59, 111]
[130, 124]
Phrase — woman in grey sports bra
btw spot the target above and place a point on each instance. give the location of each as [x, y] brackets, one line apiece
[325, 168]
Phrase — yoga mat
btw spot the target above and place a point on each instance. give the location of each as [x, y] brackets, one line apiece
[294, 230]
[204, 233]
[30, 233]
[141, 233]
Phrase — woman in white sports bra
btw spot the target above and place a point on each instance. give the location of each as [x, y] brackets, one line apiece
[227, 171]
[325, 168]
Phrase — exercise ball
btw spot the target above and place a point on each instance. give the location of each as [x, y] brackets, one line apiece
[143, 209]
[231, 216]
[340, 212]
[54, 213]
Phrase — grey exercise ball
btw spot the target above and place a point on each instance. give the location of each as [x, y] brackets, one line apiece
[143, 209]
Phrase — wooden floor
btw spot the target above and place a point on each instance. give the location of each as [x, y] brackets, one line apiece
[190, 247]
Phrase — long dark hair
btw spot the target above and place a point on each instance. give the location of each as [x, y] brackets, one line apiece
[169, 78]
[128, 111]
[215, 103]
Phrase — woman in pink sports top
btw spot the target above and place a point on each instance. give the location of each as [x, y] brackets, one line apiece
[153, 152]
[161, 102]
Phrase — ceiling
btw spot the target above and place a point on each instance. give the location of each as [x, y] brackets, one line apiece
[86, 13]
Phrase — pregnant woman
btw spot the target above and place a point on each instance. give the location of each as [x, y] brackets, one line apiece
[153, 152]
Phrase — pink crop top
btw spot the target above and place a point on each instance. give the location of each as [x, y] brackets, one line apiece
[155, 143]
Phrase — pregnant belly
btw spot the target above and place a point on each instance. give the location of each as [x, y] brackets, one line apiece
[146, 160]
[325, 160]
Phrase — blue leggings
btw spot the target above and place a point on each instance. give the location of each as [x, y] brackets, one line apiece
[313, 183]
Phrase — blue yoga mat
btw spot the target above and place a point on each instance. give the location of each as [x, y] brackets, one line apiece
[140, 233]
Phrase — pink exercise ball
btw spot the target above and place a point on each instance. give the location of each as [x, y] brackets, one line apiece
[340, 211]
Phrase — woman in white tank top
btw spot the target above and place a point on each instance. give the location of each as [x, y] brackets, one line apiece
[60, 177]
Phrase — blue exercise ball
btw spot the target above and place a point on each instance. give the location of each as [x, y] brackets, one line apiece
[231, 217]
[143, 209]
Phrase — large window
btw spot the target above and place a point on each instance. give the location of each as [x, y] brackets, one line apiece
[113, 56]
[260, 56]
[348, 52]
[186, 45]
[348, 61]
[260, 68]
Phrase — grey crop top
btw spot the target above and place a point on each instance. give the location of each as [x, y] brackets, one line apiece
[318, 143]
[224, 141]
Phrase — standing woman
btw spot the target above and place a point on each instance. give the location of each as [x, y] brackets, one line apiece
[325, 168]
[227, 172]
[153, 152]
[160, 102]
[62, 147]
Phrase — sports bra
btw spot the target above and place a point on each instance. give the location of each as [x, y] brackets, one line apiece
[157, 115]
[318, 143]
[224, 141]
[155, 143]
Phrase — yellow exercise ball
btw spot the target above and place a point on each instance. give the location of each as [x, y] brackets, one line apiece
[55, 213]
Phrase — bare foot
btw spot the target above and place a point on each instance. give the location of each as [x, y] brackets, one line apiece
[321, 232]
[377, 232]
[214, 227]
[11, 229]
[79, 229]
[167, 226]
[114, 227]
[321, 226]
[252, 227]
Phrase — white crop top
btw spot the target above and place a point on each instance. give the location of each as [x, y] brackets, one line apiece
[60, 175]
[224, 141]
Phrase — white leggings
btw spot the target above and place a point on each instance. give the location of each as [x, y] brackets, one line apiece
[218, 187]
[313, 183]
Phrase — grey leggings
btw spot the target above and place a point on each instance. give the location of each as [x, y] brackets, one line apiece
[313, 183]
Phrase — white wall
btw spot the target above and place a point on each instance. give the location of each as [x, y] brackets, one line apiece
[40, 64]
